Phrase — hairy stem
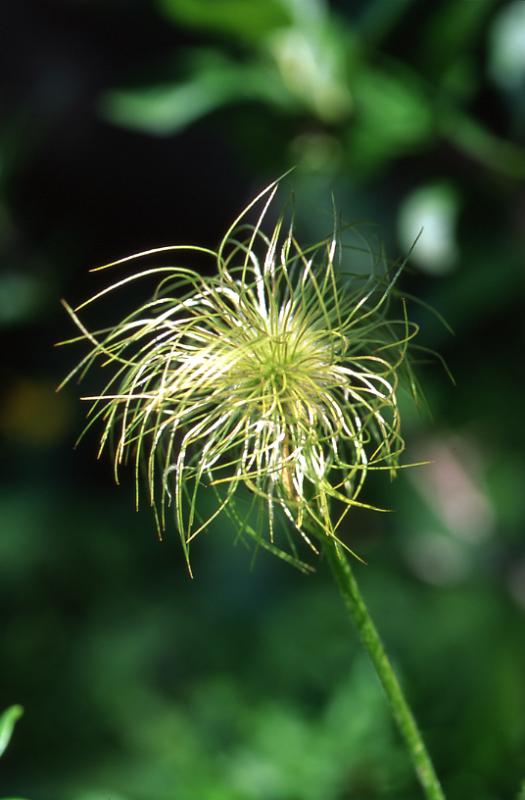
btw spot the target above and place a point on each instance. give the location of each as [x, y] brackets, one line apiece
[374, 646]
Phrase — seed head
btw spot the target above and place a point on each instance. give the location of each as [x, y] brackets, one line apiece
[267, 391]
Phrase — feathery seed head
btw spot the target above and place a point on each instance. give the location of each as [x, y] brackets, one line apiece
[279, 374]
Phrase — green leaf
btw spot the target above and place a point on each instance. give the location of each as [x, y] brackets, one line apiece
[7, 724]
[214, 81]
[243, 19]
[521, 795]
[312, 63]
[481, 144]
[393, 115]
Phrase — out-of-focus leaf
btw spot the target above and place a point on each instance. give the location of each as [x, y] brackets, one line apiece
[451, 30]
[481, 144]
[521, 795]
[214, 81]
[311, 61]
[299, 67]
[429, 214]
[164, 109]
[392, 116]
[239, 18]
[507, 45]
[7, 723]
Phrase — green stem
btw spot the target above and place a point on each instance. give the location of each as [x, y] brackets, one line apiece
[371, 640]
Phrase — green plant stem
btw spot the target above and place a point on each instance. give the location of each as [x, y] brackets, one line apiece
[374, 646]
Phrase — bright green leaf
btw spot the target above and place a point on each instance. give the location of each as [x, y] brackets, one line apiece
[164, 110]
[213, 81]
[312, 65]
[7, 724]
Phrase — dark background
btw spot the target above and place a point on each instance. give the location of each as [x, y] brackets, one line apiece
[129, 125]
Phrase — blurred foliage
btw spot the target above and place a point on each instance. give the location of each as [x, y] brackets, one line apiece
[7, 723]
[137, 683]
[299, 58]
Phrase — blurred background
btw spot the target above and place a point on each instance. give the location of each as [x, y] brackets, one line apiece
[133, 125]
